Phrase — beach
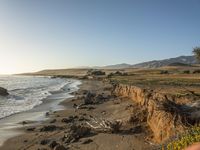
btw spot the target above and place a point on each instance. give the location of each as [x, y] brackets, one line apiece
[52, 133]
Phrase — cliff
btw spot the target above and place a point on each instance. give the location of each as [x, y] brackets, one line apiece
[167, 115]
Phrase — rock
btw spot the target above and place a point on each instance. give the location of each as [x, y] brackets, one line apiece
[25, 141]
[70, 119]
[60, 147]
[89, 99]
[81, 118]
[76, 132]
[92, 98]
[53, 144]
[3, 92]
[48, 128]
[53, 121]
[87, 141]
[44, 142]
[30, 129]
[47, 114]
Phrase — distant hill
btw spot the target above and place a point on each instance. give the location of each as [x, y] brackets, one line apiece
[177, 61]
[186, 60]
[117, 66]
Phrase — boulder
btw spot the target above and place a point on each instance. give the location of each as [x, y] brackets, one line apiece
[89, 99]
[3, 92]
[53, 144]
[44, 142]
[48, 128]
[76, 132]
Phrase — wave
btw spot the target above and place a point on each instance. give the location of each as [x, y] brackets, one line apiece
[29, 92]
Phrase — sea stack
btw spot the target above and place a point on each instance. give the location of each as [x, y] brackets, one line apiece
[3, 92]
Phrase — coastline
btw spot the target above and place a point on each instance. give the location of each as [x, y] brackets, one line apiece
[113, 108]
[13, 125]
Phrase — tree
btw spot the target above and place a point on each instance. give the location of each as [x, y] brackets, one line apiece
[196, 52]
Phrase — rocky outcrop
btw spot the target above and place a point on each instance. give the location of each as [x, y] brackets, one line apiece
[3, 92]
[164, 116]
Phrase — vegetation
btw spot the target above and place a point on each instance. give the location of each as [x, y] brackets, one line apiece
[196, 71]
[196, 52]
[188, 138]
[186, 71]
[164, 72]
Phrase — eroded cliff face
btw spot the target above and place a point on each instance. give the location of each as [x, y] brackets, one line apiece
[165, 117]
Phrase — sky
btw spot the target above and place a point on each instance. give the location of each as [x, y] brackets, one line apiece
[50, 34]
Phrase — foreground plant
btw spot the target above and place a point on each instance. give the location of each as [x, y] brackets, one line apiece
[190, 137]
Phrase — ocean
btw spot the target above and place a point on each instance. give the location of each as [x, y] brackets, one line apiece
[27, 92]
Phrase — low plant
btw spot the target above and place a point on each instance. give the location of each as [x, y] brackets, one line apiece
[188, 138]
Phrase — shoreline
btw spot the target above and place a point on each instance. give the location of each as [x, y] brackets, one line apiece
[56, 129]
[12, 126]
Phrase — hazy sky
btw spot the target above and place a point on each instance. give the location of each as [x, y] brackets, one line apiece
[41, 34]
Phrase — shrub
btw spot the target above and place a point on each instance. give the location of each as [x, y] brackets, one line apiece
[196, 71]
[196, 52]
[186, 71]
[164, 72]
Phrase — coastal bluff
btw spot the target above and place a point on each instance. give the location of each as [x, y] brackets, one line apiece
[166, 115]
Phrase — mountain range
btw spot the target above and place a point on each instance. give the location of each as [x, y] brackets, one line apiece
[181, 60]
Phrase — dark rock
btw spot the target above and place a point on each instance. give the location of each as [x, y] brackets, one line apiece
[90, 108]
[66, 120]
[30, 129]
[24, 122]
[53, 144]
[76, 132]
[87, 141]
[47, 114]
[69, 119]
[137, 129]
[81, 118]
[53, 121]
[25, 141]
[48, 128]
[89, 99]
[60, 147]
[3, 92]
[44, 142]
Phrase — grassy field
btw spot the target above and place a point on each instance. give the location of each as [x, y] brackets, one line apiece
[171, 79]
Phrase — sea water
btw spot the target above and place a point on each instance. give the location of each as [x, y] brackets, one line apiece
[27, 92]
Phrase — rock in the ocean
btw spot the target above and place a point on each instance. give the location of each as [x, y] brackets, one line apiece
[3, 92]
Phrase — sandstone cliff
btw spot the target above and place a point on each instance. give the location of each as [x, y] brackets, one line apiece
[167, 115]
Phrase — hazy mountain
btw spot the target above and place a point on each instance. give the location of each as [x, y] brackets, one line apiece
[117, 66]
[181, 60]
[188, 60]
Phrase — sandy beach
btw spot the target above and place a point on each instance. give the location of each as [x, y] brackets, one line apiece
[53, 133]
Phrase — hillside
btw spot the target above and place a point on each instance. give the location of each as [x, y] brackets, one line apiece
[160, 63]
[182, 60]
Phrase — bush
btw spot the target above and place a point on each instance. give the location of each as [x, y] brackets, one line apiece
[95, 72]
[164, 72]
[196, 52]
[196, 71]
[186, 71]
